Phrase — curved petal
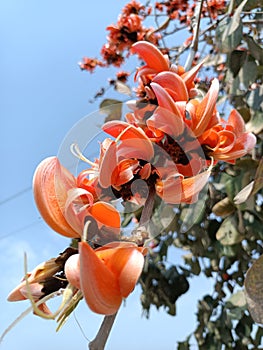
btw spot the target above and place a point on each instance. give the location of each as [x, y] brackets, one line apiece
[105, 214]
[244, 144]
[164, 100]
[205, 109]
[108, 165]
[174, 85]
[176, 190]
[51, 183]
[226, 141]
[76, 207]
[126, 264]
[124, 171]
[236, 120]
[170, 189]
[126, 261]
[188, 77]
[98, 284]
[115, 127]
[192, 186]
[167, 122]
[134, 141]
[151, 55]
[136, 148]
[72, 270]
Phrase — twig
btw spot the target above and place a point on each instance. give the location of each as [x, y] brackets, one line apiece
[99, 342]
[196, 26]
[148, 207]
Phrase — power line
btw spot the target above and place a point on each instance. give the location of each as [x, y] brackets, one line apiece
[17, 194]
[23, 228]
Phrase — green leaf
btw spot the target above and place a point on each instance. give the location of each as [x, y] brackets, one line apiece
[228, 42]
[228, 233]
[112, 108]
[254, 290]
[192, 214]
[258, 182]
[259, 336]
[235, 21]
[253, 187]
[255, 50]
[255, 99]
[252, 4]
[236, 60]
[247, 74]
[193, 262]
[255, 124]
[184, 345]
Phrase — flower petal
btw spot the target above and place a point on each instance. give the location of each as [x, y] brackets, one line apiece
[176, 189]
[51, 183]
[173, 84]
[132, 261]
[72, 270]
[98, 284]
[188, 77]
[134, 141]
[108, 165]
[105, 214]
[151, 55]
[236, 120]
[76, 207]
[124, 172]
[205, 109]
[125, 260]
[244, 144]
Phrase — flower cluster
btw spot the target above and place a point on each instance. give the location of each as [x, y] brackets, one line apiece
[183, 11]
[169, 142]
[128, 30]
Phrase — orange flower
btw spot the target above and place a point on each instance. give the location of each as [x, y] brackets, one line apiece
[172, 114]
[63, 205]
[156, 63]
[229, 140]
[105, 275]
[120, 161]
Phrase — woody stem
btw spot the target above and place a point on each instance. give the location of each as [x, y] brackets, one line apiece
[148, 206]
[99, 342]
[196, 26]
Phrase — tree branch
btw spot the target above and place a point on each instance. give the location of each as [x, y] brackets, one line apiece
[99, 342]
[196, 26]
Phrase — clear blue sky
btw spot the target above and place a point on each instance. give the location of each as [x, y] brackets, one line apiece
[43, 94]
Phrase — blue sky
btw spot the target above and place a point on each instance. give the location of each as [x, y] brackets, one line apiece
[43, 95]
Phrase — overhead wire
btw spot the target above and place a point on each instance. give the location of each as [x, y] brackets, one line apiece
[25, 227]
[15, 195]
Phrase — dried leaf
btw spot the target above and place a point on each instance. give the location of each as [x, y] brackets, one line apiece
[243, 195]
[254, 290]
[223, 208]
[111, 107]
[122, 88]
[237, 300]
[253, 187]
